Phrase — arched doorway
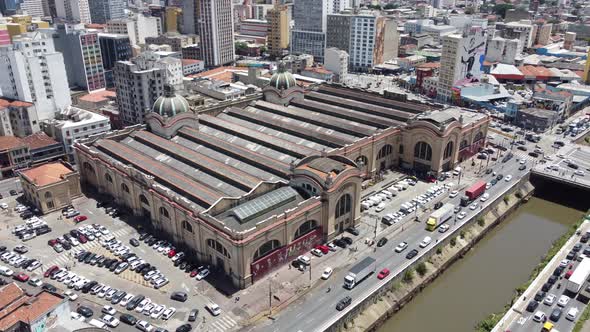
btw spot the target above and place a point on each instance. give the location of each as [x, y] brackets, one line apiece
[363, 163]
[145, 206]
[220, 251]
[343, 212]
[384, 155]
[89, 173]
[422, 158]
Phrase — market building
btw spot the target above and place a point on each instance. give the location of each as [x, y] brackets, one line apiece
[248, 189]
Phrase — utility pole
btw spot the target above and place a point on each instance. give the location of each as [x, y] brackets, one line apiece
[375, 240]
[269, 297]
[310, 273]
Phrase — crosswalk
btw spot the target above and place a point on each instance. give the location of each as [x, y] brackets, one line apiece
[223, 323]
[67, 257]
[523, 156]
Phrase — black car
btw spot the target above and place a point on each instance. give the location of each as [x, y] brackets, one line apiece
[152, 241]
[540, 296]
[183, 265]
[86, 288]
[189, 267]
[521, 148]
[113, 266]
[134, 302]
[571, 255]
[184, 328]
[66, 245]
[42, 230]
[128, 319]
[534, 154]
[558, 271]
[104, 263]
[89, 257]
[412, 254]
[2, 248]
[572, 165]
[118, 297]
[555, 314]
[521, 167]
[345, 302]
[546, 287]
[49, 287]
[382, 241]
[347, 240]
[147, 238]
[134, 242]
[552, 279]
[179, 296]
[584, 238]
[577, 247]
[85, 311]
[178, 262]
[532, 306]
[192, 316]
[341, 243]
[586, 251]
[13, 192]
[438, 205]
[499, 177]
[353, 231]
[143, 235]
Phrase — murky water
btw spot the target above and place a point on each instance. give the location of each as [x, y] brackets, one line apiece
[485, 279]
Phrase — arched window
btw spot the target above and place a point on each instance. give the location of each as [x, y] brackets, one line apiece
[448, 150]
[143, 199]
[187, 226]
[305, 228]
[343, 206]
[88, 167]
[108, 177]
[266, 248]
[219, 247]
[464, 144]
[164, 213]
[385, 151]
[422, 150]
[363, 160]
[478, 137]
[48, 195]
[124, 187]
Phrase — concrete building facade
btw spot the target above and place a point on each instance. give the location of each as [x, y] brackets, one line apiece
[278, 30]
[215, 19]
[336, 61]
[113, 48]
[102, 11]
[308, 36]
[73, 11]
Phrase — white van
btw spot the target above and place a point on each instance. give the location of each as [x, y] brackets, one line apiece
[97, 323]
[457, 171]
[213, 308]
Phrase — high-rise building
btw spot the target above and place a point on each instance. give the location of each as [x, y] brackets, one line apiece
[336, 61]
[8, 7]
[278, 32]
[172, 18]
[113, 48]
[309, 33]
[503, 50]
[32, 7]
[75, 11]
[102, 11]
[137, 28]
[339, 5]
[367, 37]
[140, 81]
[543, 32]
[215, 19]
[33, 71]
[190, 24]
[462, 60]
[81, 50]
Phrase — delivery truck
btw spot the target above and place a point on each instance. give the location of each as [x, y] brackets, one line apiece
[359, 272]
[476, 190]
[439, 216]
[576, 280]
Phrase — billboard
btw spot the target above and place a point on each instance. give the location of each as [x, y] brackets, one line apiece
[471, 55]
[284, 254]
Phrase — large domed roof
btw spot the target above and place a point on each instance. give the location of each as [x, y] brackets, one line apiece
[170, 104]
[282, 79]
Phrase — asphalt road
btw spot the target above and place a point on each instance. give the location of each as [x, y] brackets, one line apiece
[319, 306]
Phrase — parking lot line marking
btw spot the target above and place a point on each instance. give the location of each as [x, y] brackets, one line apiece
[218, 326]
[233, 322]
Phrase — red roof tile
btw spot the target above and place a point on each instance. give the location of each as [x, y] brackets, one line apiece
[46, 174]
[30, 310]
[10, 142]
[99, 96]
[38, 140]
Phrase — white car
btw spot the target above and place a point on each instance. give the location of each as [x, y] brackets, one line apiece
[76, 316]
[327, 273]
[4, 206]
[157, 312]
[549, 299]
[522, 162]
[71, 295]
[564, 263]
[107, 309]
[461, 215]
[473, 206]
[144, 326]
[202, 274]
[579, 173]
[6, 271]
[539, 316]
[332, 246]
[36, 264]
[380, 207]
[508, 178]
[443, 228]
[484, 197]
[304, 259]
[488, 185]
[563, 300]
[148, 308]
[35, 282]
[110, 320]
[401, 247]
[126, 299]
[317, 252]
[168, 313]
[104, 291]
[142, 305]
[572, 313]
[427, 240]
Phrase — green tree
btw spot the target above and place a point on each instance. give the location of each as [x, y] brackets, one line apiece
[453, 242]
[462, 234]
[391, 5]
[506, 199]
[408, 276]
[421, 269]
[481, 221]
[240, 46]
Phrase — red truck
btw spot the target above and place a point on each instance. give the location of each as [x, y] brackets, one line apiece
[476, 190]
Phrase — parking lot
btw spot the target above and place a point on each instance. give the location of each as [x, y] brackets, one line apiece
[131, 282]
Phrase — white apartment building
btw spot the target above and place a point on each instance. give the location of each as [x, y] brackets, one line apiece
[141, 81]
[33, 71]
[339, 5]
[75, 123]
[76, 11]
[216, 29]
[522, 30]
[336, 61]
[137, 28]
[503, 50]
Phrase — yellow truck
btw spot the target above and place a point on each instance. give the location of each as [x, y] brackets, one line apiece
[439, 216]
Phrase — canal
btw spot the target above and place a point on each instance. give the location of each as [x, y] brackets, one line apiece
[484, 280]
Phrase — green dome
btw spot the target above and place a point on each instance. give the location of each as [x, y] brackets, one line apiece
[282, 79]
[170, 104]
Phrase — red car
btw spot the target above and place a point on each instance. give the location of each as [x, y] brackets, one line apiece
[50, 270]
[569, 273]
[171, 253]
[194, 273]
[80, 219]
[21, 277]
[383, 273]
[324, 249]
[52, 242]
[82, 238]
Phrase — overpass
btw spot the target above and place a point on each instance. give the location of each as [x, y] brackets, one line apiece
[572, 168]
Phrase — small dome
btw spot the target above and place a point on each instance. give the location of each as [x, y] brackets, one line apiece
[282, 79]
[170, 104]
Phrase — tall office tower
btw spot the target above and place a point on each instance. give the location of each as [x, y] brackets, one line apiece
[461, 61]
[140, 81]
[75, 11]
[33, 71]
[215, 19]
[113, 48]
[102, 11]
[81, 51]
[278, 33]
[33, 7]
[367, 37]
[189, 17]
[8, 7]
[309, 33]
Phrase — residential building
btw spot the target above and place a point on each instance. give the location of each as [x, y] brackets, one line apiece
[556, 101]
[97, 100]
[190, 66]
[175, 40]
[73, 11]
[51, 186]
[569, 40]
[191, 52]
[173, 15]
[14, 155]
[33, 71]
[251, 27]
[8, 7]
[75, 123]
[28, 313]
[521, 30]
[517, 14]
[81, 50]
[32, 7]
[308, 36]
[43, 148]
[536, 119]
[113, 48]
[411, 62]
[102, 11]
[21, 24]
[339, 5]
[543, 32]
[461, 61]
[140, 81]
[190, 24]
[137, 28]
[503, 50]
[215, 19]
[336, 61]
[18, 118]
[278, 30]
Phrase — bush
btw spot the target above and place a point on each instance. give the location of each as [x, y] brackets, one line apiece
[518, 195]
[453, 242]
[506, 199]
[421, 269]
[481, 222]
[438, 251]
[408, 276]
[462, 234]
